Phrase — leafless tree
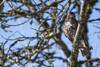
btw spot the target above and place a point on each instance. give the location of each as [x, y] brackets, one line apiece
[49, 17]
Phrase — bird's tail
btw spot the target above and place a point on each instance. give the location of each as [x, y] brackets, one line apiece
[84, 49]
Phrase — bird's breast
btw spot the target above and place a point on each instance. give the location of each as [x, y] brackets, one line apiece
[68, 25]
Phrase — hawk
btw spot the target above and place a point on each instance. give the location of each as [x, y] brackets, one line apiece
[69, 29]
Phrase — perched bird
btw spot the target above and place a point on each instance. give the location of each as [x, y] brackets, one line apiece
[69, 29]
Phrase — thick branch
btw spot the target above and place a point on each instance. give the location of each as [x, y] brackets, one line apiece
[90, 60]
[74, 53]
[61, 44]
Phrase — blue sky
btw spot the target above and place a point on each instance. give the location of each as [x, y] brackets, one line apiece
[94, 38]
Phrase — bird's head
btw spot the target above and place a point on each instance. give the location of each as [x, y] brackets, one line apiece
[71, 15]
